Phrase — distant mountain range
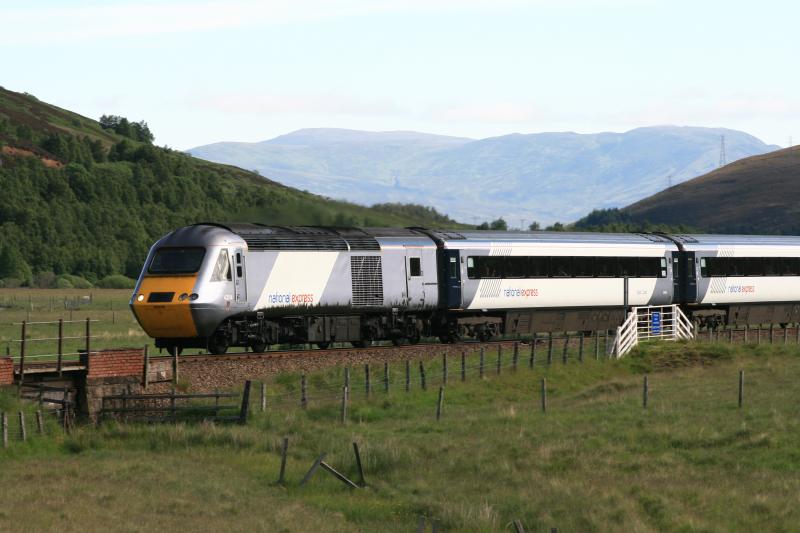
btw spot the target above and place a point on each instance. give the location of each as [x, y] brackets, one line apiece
[545, 177]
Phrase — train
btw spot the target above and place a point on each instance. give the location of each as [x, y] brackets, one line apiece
[216, 286]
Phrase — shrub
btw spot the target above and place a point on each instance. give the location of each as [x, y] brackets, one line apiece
[116, 281]
[76, 281]
[63, 283]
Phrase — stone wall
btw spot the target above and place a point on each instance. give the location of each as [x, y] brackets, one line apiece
[109, 373]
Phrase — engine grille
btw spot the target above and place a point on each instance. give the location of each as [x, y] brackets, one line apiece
[160, 297]
[367, 277]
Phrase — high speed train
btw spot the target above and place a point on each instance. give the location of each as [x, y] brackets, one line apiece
[215, 286]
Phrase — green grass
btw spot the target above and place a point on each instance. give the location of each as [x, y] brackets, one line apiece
[596, 461]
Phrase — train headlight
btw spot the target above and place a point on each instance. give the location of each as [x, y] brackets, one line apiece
[140, 298]
[182, 297]
[194, 296]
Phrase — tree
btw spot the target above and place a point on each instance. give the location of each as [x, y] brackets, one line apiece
[499, 225]
[534, 226]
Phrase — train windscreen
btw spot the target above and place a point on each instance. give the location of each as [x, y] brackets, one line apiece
[177, 261]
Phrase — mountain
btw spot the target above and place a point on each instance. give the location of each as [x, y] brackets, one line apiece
[89, 198]
[758, 194]
[542, 176]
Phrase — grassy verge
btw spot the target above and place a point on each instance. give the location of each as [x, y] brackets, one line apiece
[596, 461]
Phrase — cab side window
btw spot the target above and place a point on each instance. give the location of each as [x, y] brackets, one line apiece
[414, 266]
[222, 269]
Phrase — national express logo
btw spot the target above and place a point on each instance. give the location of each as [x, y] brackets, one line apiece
[520, 293]
[288, 298]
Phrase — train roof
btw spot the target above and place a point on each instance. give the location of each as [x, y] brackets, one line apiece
[700, 242]
[547, 237]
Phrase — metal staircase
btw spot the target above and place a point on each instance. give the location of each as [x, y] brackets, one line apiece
[665, 322]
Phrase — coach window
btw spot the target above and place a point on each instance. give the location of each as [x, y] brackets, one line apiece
[415, 267]
[790, 266]
[471, 271]
[222, 270]
[515, 267]
[770, 266]
[560, 267]
[582, 267]
[649, 267]
[605, 267]
[627, 267]
[537, 266]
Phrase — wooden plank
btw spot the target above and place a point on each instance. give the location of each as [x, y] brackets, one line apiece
[312, 469]
[338, 475]
[245, 403]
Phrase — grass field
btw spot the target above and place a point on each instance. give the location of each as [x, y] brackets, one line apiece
[596, 461]
[116, 326]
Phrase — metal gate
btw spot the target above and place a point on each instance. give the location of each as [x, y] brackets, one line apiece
[665, 322]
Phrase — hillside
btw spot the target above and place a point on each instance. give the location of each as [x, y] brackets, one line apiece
[544, 176]
[82, 199]
[758, 194]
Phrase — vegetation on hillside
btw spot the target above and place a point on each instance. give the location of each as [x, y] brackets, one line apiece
[108, 194]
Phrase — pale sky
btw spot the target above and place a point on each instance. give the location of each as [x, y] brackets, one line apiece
[205, 71]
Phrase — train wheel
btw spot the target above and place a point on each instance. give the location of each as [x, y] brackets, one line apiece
[218, 344]
[361, 344]
[172, 350]
[323, 345]
[259, 347]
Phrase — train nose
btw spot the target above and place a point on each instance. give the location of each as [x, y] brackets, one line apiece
[162, 306]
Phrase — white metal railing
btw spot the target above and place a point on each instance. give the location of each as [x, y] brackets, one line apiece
[666, 322]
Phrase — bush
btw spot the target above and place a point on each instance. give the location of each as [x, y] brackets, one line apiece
[74, 281]
[63, 283]
[117, 281]
[45, 280]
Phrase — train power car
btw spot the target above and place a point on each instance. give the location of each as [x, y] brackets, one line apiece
[215, 286]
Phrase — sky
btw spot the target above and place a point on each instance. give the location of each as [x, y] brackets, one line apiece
[242, 70]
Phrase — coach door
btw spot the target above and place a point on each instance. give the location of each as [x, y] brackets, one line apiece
[684, 276]
[449, 279]
[239, 281]
[415, 289]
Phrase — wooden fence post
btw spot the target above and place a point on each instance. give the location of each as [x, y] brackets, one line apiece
[347, 377]
[263, 396]
[175, 368]
[771, 333]
[22, 344]
[4, 417]
[366, 379]
[344, 405]
[566, 348]
[786, 334]
[88, 336]
[580, 348]
[303, 398]
[386, 377]
[284, 451]
[746, 331]
[758, 334]
[544, 395]
[549, 348]
[644, 392]
[515, 356]
[60, 347]
[597, 345]
[741, 388]
[146, 367]
[22, 431]
[361, 480]
[444, 368]
[482, 358]
[245, 409]
[39, 422]
[499, 358]
[439, 403]
[422, 375]
[532, 361]
[408, 375]
[463, 365]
